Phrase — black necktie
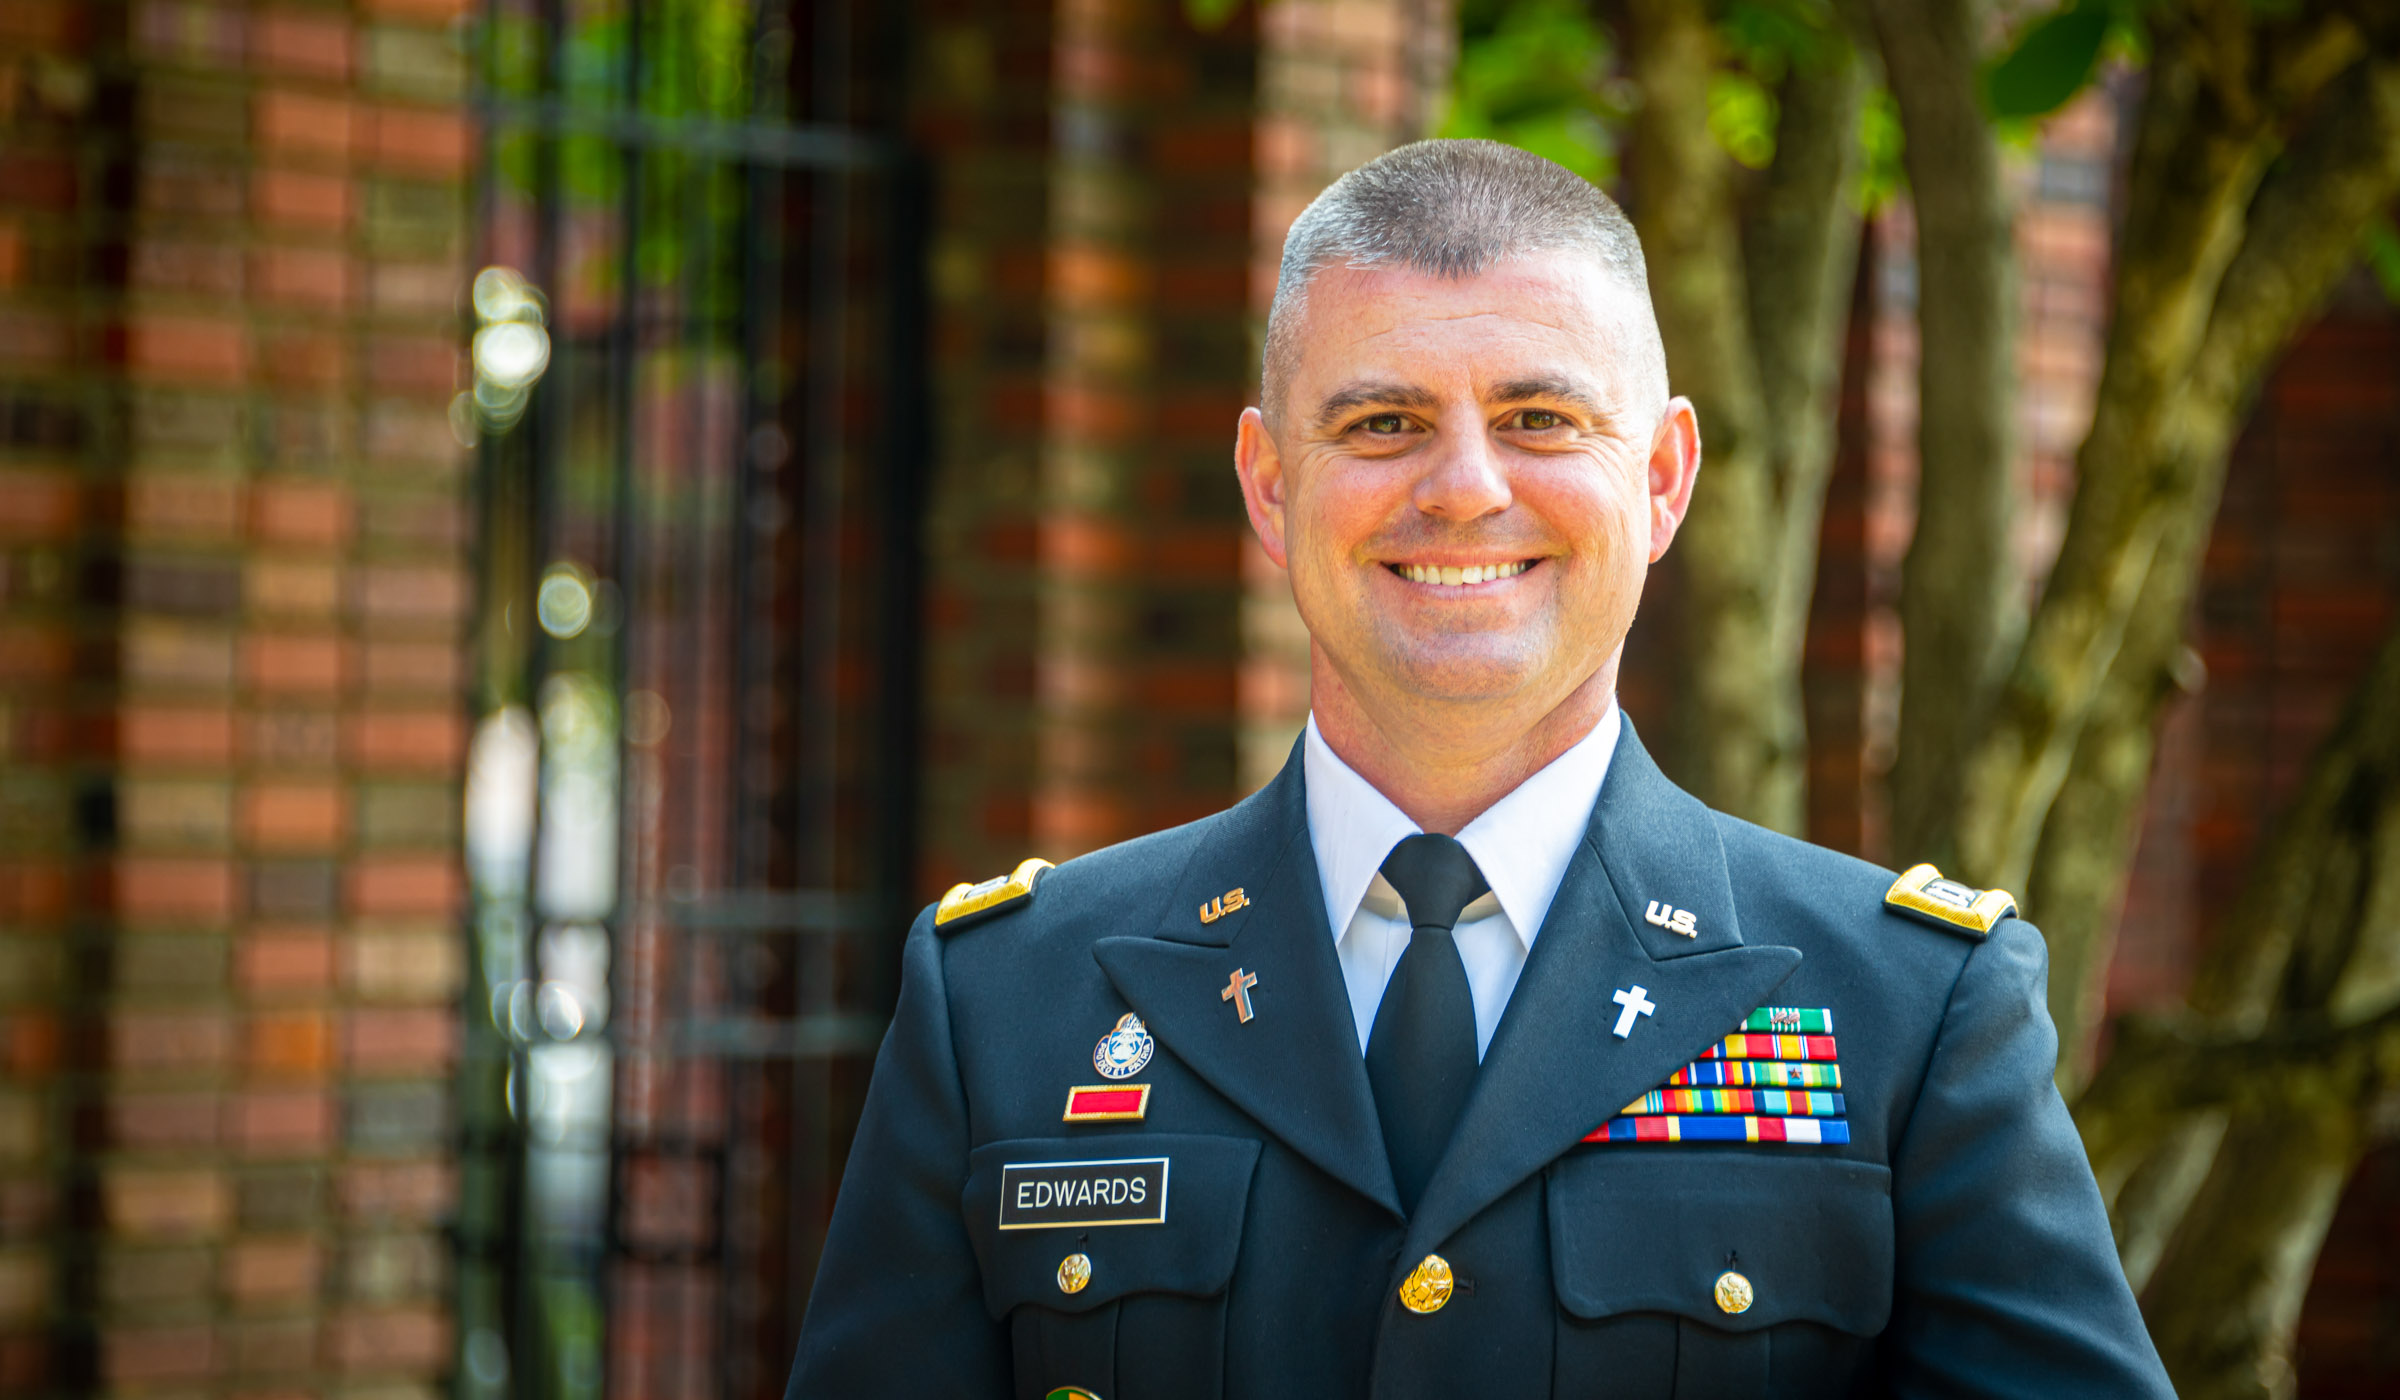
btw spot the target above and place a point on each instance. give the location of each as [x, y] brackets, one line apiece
[1421, 1055]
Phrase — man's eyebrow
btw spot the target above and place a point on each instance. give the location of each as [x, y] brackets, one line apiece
[1372, 394]
[1552, 388]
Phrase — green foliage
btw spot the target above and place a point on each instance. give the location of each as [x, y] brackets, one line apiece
[1742, 115]
[2054, 58]
[1880, 176]
[1534, 73]
[1207, 15]
[2382, 256]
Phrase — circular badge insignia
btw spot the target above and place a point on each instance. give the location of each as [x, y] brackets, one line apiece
[1125, 1051]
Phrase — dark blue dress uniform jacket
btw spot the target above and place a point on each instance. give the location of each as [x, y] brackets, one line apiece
[1956, 1246]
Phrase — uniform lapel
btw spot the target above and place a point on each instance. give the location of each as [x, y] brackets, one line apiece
[1555, 1070]
[1295, 1067]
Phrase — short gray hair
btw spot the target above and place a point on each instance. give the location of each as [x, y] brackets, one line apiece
[1448, 209]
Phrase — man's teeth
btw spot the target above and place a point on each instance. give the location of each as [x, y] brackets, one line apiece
[1449, 577]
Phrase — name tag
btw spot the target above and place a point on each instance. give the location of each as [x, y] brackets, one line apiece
[1046, 1195]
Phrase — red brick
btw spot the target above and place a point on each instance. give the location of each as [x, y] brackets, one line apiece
[30, 1042]
[180, 888]
[54, 25]
[425, 364]
[175, 735]
[168, 1040]
[421, 11]
[181, 504]
[274, 1346]
[420, 140]
[413, 593]
[293, 664]
[36, 179]
[400, 1038]
[398, 1191]
[284, 960]
[35, 653]
[34, 890]
[35, 339]
[204, 270]
[273, 1270]
[39, 505]
[319, 278]
[388, 885]
[399, 1339]
[406, 666]
[292, 739]
[293, 816]
[144, 1356]
[408, 740]
[303, 42]
[186, 349]
[162, 1122]
[305, 360]
[292, 587]
[289, 1043]
[298, 199]
[280, 1122]
[12, 255]
[300, 513]
[301, 123]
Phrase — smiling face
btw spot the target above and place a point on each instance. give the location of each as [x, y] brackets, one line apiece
[1468, 479]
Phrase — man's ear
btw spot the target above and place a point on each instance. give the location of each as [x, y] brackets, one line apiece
[1260, 467]
[1674, 467]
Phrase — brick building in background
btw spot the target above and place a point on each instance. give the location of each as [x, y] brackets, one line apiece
[233, 518]
[247, 626]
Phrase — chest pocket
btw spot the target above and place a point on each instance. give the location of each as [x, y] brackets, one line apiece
[1142, 1316]
[1640, 1239]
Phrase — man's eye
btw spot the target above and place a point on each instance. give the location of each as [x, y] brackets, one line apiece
[1539, 420]
[1384, 424]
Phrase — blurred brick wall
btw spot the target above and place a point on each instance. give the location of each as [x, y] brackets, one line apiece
[1112, 185]
[232, 522]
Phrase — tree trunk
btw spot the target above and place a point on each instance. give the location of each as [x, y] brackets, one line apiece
[2226, 1296]
[1751, 315]
[2296, 1032]
[1956, 580]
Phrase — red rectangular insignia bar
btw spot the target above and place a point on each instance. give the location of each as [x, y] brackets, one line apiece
[1107, 1103]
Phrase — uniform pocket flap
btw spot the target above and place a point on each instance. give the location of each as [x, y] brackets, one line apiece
[1149, 1213]
[1643, 1231]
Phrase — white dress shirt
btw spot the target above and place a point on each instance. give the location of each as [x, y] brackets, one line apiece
[1521, 843]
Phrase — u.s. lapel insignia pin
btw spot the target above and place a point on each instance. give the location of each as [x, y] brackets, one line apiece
[1125, 1051]
[1672, 919]
[1222, 905]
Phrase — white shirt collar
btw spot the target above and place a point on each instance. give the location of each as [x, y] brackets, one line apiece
[1522, 842]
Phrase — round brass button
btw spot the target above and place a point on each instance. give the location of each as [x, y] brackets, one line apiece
[1734, 1294]
[1074, 1272]
[1428, 1286]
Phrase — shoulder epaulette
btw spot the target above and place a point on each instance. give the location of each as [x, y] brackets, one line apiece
[1923, 893]
[967, 903]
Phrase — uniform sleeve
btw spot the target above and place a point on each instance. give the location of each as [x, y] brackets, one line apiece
[898, 1304]
[2008, 1282]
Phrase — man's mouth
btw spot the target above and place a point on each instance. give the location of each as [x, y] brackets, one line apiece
[1459, 576]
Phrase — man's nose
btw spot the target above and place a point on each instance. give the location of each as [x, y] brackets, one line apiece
[1465, 477]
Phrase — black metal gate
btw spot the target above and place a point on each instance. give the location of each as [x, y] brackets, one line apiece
[695, 391]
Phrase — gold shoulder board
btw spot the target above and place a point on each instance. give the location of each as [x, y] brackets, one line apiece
[1924, 893]
[967, 903]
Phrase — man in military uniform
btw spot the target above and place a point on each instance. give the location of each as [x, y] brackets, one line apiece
[1470, 1056]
